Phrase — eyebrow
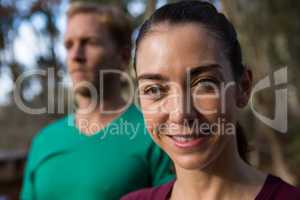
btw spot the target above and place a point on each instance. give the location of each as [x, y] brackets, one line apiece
[193, 71]
[152, 77]
[204, 68]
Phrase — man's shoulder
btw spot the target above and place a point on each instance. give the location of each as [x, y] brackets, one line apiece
[159, 192]
[133, 113]
[53, 129]
[132, 124]
[49, 140]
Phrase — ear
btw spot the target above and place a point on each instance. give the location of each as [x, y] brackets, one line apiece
[244, 86]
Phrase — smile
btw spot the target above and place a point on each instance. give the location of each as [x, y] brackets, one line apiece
[188, 141]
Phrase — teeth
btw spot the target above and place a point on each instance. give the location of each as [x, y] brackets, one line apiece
[186, 138]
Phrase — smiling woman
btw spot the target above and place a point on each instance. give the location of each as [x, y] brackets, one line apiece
[191, 77]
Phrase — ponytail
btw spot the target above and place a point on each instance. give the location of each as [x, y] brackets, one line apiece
[242, 143]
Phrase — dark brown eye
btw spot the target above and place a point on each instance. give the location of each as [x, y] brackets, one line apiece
[93, 41]
[154, 91]
[68, 44]
[203, 86]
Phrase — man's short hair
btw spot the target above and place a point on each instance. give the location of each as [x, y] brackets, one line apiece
[118, 23]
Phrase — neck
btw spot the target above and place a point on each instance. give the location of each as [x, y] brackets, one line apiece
[108, 98]
[222, 179]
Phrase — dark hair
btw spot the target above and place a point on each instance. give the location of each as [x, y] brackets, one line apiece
[216, 23]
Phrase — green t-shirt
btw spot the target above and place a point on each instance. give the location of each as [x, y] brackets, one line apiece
[65, 164]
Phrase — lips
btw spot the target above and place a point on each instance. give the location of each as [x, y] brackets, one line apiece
[188, 141]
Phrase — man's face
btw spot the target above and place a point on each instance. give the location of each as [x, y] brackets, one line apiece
[90, 48]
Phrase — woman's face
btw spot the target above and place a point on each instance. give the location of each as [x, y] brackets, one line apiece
[187, 93]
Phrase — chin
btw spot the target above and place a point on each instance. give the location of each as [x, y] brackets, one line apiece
[86, 88]
[192, 162]
[200, 160]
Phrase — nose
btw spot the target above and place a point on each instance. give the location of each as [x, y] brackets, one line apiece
[77, 53]
[182, 110]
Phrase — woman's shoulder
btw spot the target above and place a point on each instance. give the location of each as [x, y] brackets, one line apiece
[158, 193]
[277, 189]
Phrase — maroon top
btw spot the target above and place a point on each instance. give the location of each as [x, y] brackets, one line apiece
[273, 189]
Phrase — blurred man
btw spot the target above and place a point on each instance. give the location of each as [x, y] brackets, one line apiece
[90, 154]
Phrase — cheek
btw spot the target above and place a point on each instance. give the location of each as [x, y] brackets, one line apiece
[95, 61]
[95, 55]
[208, 106]
[214, 106]
[69, 62]
[152, 122]
[153, 118]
